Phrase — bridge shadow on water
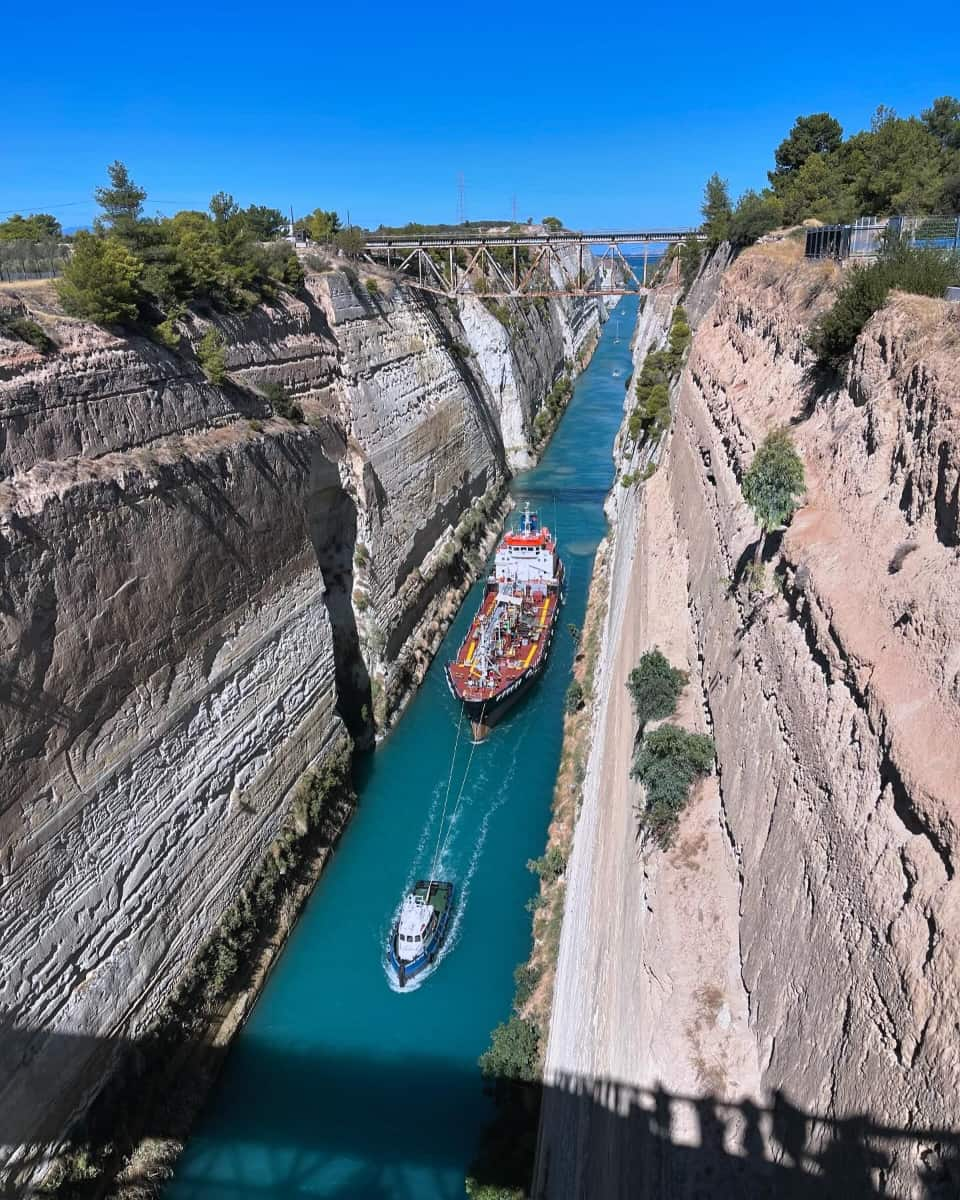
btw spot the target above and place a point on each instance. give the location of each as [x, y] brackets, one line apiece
[314, 1121]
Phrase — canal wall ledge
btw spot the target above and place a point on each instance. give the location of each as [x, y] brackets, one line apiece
[775, 993]
[199, 598]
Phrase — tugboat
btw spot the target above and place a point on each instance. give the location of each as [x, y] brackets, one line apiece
[506, 649]
[421, 927]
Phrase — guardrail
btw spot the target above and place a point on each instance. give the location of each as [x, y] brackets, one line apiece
[865, 237]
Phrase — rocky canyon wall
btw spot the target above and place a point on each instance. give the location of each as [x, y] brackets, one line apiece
[197, 599]
[834, 693]
[795, 983]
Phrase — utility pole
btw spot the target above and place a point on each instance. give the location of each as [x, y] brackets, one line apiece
[461, 200]
[514, 210]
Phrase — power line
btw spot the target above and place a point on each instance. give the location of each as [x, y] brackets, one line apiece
[35, 208]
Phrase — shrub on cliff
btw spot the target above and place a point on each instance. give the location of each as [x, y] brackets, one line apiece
[550, 866]
[756, 213]
[774, 484]
[667, 763]
[923, 271]
[513, 1053]
[101, 281]
[654, 687]
[281, 402]
[212, 357]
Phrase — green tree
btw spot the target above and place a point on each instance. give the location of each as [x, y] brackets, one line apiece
[351, 241]
[264, 224]
[691, 256]
[554, 224]
[817, 134]
[654, 687]
[774, 484]
[513, 1053]
[37, 227]
[122, 204]
[100, 281]
[320, 225]
[942, 119]
[212, 356]
[755, 214]
[716, 210]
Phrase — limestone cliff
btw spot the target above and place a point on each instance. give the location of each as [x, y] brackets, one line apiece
[195, 598]
[797, 951]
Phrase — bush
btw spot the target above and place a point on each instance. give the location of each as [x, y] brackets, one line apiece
[361, 555]
[654, 687]
[924, 271]
[167, 334]
[373, 286]
[667, 763]
[525, 977]
[756, 214]
[513, 1053]
[101, 281]
[476, 1190]
[282, 404]
[549, 866]
[25, 330]
[212, 356]
[574, 698]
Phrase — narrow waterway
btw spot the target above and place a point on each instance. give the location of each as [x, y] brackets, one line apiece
[340, 1086]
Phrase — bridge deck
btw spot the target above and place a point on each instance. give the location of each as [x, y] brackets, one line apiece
[609, 238]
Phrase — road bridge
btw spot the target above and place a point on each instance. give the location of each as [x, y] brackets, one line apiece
[500, 264]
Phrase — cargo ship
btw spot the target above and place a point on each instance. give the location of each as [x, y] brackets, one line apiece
[506, 648]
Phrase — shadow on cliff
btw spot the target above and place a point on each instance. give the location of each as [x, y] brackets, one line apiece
[331, 517]
[317, 1121]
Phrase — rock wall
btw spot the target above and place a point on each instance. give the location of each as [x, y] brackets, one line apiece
[834, 697]
[195, 599]
[820, 863]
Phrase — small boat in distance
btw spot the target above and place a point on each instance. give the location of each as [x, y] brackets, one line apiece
[509, 639]
[421, 927]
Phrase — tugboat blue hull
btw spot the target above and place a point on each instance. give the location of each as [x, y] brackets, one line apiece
[405, 971]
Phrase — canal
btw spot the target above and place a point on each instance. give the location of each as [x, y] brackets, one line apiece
[339, 1085]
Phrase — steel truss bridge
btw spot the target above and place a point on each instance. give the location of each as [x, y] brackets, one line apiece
[524, 265]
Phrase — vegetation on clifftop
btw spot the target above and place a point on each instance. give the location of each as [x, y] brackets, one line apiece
[921, 270]
[134, 268]
[899, 165]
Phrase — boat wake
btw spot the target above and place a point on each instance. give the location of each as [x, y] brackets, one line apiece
[449, 864]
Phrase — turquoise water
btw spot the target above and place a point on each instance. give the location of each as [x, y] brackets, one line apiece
[339, 1085]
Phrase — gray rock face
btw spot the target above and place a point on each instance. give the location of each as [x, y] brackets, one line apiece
[191, 605]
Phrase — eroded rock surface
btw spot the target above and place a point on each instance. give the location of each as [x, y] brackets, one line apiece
[833, 698]
[195, 598]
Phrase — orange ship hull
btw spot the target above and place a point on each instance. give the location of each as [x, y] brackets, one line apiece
[523, 646]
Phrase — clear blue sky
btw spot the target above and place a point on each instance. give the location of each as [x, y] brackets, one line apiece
[605, 115]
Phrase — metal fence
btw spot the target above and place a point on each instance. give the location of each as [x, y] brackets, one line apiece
[866, 236]
[21, 259]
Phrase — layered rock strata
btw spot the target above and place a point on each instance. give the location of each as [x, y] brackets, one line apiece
[197, 597]
[832, 693]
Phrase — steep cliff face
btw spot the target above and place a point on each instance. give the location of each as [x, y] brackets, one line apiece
[834, 696]
[195, 598]
[791, 963]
